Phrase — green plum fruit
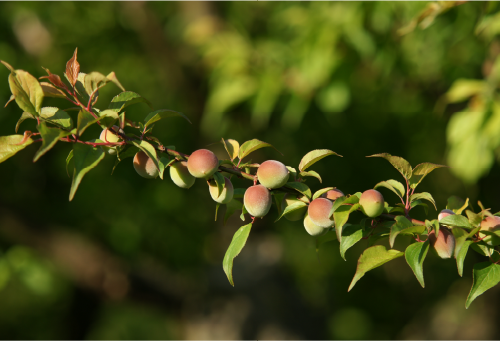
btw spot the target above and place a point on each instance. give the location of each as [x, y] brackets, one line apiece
[257, 200]
[180, 175]
[272, 174]
[108, 136]
[227, 193]
[202, 163]
[372, 203]
[145, 166]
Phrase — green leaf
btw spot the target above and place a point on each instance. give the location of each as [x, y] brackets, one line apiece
[10, 145]
[150, 151]
[460, 237]
[341, 215]
[112, 78]
[397, 162]
[27, 91]
[243, 212]
[94, 81]
[371, 258]
[474, 219]
[457, 204]
[351, 234]
[126, 98]
[415, 256]
[232, 148]
[318, 193]
[456, 220]
[251, 146]
[216, 210]
[417, 202]
[85, 120]
[403, 225]
[483, 249]
[68, 159]
[163, 163]
[107, 118]
[325, 238]
[485, 276]
[314, 156]
[461, 256]
[425, 196]
[290, 208]
[234, 249]
[300, 187]
[157, 115]
[221, 183]
[231, 208]
[432, 225]
[57, 117]
[420, 171]
[24, 116]
[50, 136]
[85, 158]
[311, 173]
[395, 186]
[292, 171]
[474, 231]
[51, 91]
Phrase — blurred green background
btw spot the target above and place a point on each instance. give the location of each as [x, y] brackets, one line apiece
[131, 258]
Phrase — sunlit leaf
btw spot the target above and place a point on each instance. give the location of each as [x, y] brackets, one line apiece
[318, 193]
[311, 173]
[415, 256]
[290, 208]
[126, 98]
[27, 91]
[314, 156]
[251, 146]
[351, 234]
[237, 243]
[456, 220]
[484, 276]
[157, 115]
[371, 258]
[420, 171]
[72, 68]
[425, 196]
[341, 215]
[397, 162]
[456, 204]
[300, 187]
[393, 185]
[51, 91]
[50, 136]
[10, 145]
[57, 117]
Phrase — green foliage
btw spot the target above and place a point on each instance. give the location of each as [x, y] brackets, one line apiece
[415, 256]
[85, 157]
[237, 243]
[485, 276]
[314, 156]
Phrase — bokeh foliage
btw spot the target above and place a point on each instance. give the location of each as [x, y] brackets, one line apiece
[131, 258]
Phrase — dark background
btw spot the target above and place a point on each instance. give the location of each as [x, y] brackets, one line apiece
[131, 258]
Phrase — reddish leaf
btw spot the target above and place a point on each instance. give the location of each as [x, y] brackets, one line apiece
[72, 69]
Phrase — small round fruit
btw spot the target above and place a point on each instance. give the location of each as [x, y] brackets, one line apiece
[180, 175]
[491, 223]
[272, 174]
[312, 228]
[108, 136]
[319, 212]
[372, 202]
[333, 194]
[298, 214]
[202, 163]
[445, 213]
[257, 200]
[444, 244]
[226, 194]
[145, 166]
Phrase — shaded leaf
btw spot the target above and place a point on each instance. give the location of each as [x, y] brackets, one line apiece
[397, 162]
[314, 156]
[415, 256]
[420, 171]
[85, 120]
[425, 196]
[403, 225]
[68, 160]
[157, 115]
[300, 187]
[484, 276]
[232, 147]
[251, 146]
[107, 118]
[237, 243]
[325, 238]
[351, 234]
[461, 256]
[221, 183]
[10, 145]
[51, 91]
[150, 151]
[457, 204]
[341, 215]
[420, 203]
[460, 237]
[372, 258]
[231, 208]
[474, 219]
[393, 185]
[124, 152]
[290, 208]
[126, 98]
[24, 116]
[57, 117]
[163, 163]
[311, 173]
[85, 157]
[216, 210]
[50, 136]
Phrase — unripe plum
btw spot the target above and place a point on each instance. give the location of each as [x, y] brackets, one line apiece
[257, 200]
[202, 163]
[226, 194]
[180, 175]
[312, 228]
[444, 244]
[145, 166]
[294, 215]
[445, 213]
[372, 202]
[110, 137]
[333, 194]
[319, 212]
[272, 174]
[491, 223]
